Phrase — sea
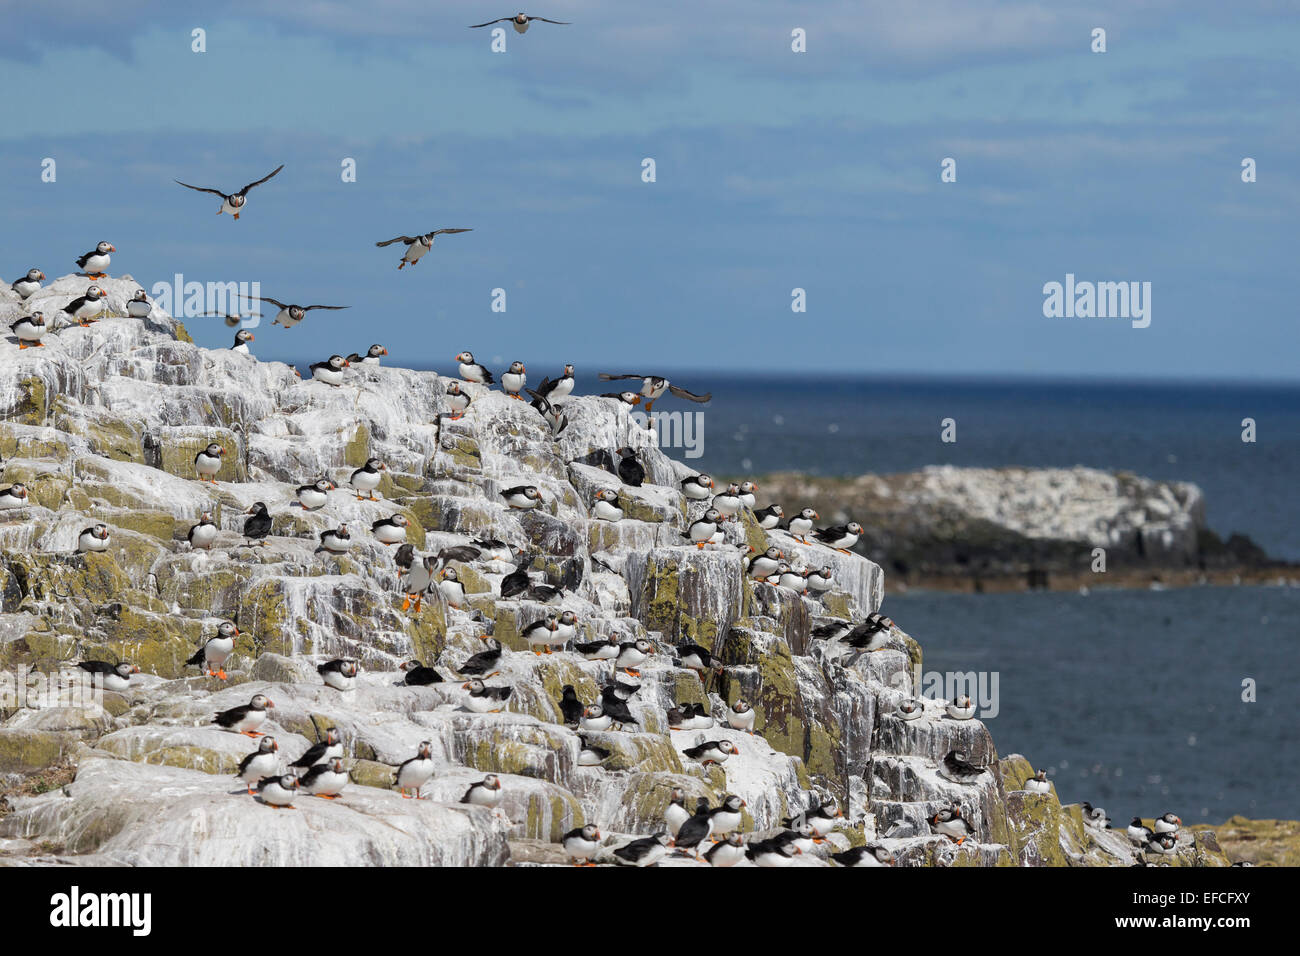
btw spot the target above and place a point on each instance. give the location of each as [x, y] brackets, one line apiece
[1139, 701]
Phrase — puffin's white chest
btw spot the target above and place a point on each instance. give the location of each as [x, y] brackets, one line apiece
[203, 535]
[218, 650]
[138, 309]
[88, 542]
[330, 376]
[390, 534]
[312, 499]
[207, 464]
[608, 512]
[284, 318]
[514, 381]
[262, 765]
[98, 262]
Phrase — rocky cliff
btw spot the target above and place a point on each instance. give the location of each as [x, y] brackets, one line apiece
[103, 424]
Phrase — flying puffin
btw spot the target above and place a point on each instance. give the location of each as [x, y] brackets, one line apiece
[417, 246]
[262, 762]
[87, 308]
[258, 523]
[207, 463]
[801, 525]
[28, 284]
[711, 751]
[697, 487]
[841, 537]
[242, 338]
[232, 319]
[93, 539]
[605, 507]
[278, 792]
[95, 262]
[740, 716]
[630, 471]
[450, 587]
[522, 497]
[553, 389]
[232, 202]
[519, 21]
[471, 371]
[654, 386]
[15, 496]
[322, 750]
[114, 677]
[958, 768]
[314, 496]
[336, 540]
[417, 675]
[581, 843]
[415, 773]
[483, 699]
[246, 719]
[390, 531]
[367, 478]
[513, 380]
[325, 779]
[202, 535]
[216, 650]
[341, 673]
[702, 530]
[1038, 783]
[769, 517]
[29, 330]
[457, 401]
[646, 851]
[330, 371]
[291, 314]
[373, 356]
[485, 793]
[138, 307]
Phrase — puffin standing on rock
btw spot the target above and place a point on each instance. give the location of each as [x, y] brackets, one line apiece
[367, 478]
[390, 531]
[319, 752]
[697, 487]
[95, 262]
[457, 401]
[581, 843]
[522, 497]
[15, 496]
[258, 523]
[841, 537]
[138, 307]
[630, 470]
[372, 357]
[485, 700]
[313, 497]
[29, 331]
[417, 675]
[330, 371]
[325, 780]
[214, 653]
[341, 674]
[472, 371]
[28, 285]
[242, 338]
[202, 535]
[262, 762]
[207, 463]
[415, 773]
[246, 719]
[278, 792]
[514, 379]
[87, 308]
[485, 793]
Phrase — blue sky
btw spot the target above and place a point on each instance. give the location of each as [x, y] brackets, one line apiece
[775, 170]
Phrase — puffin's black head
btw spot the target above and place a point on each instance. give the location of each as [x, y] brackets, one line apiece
[748, 487]
[243, 337]
[376, 350]
[227, 629]
[741, 706]
[568, 369]
[702, 805]
[338, 363]
[855, 528]
[594, 712]
[569, 618]
[405, 556]
[426, 749]
[336, 764]
[237, 200]
[591, 833]
[261, 702]
[332, 736]
[454, 389]
[35, 275]
[711, 516]
[465, 358]
[259, 508]
[627, 452]
[375, 464]
[517, 368]
[268, 745]
[410, 665]
[17, 490]
[95, 292]
[678, 795]
[104, 248]
[569, 693]
[733, 803]
[449, 574]
[214, 450]
[139, 296]
[491, 782]
[475, 686]
[289, 782]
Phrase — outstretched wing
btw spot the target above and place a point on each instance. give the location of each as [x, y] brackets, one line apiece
[406, 239]
[201, 189]
[439, 232]
[541, 399]
[333, 308]
[278, 305]
[475, 26]
[263, 179]
[689, 396]
[606, 377]
[563, 23]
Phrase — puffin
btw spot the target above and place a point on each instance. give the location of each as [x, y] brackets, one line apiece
[95, 262]
[540, 635]
[216, 650]
[325, 779]
[374, 356]
[727, 816]
[570, 706]
[483, 699]
[1139, 834]
[367, 478]
[696, 829]
[336, 540]
[330, 371]
[761, 566]
[841, 537]
[522, 497]
[627, 398]
[792, 578]
[961, 708]
[517, 581]
[207, 463]
[654, 386]
[950, 823]
[958, 768]
[513, 380]
[138, 307]
[313, 497]
[15, 496]
[414, 773]
[29, 331]
[631, 655]
[449, 586]
[594, 719]
[471, 371]
[675, 814]
[712, 751]
[1095, 816]
[92, 539]
[262, 762]
[417, 246]
[605, 507]
[769, 517]
[390, 531]
[414, 579]
[589, 755]
[553, 414]
[202, 535]
[258, 523]
[872, 634]
[697, 487]
[580, 844]
[553, 389]
[630, 471]
[242, 338]
[28, 284]
[232, 203]
[1038, 783]
[87, 308]
[701, 531]
[693, 657]
[457, 401]
[484, 663]
[1168, 823]
[341, 673]
[615, 708]
[567, 627]
[602, 650]
[417, 675]
[647, 851]
[728, 503]
[833, 630]
[728, 852]
[740, 716]
[869, 854]
[1163, 843]
[278, 792]
[772, 853]
[485, 793]
[821, 818]
[747, 498]
[114, 677]
[291, 314]
[801, 525]
[910, 710]
[519, 21]
[821, 580]
[322, 750]
[247, 718]
[700, 719]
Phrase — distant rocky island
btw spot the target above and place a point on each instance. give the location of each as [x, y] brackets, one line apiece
[1004, 529]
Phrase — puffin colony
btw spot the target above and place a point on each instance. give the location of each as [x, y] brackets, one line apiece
[426, 620]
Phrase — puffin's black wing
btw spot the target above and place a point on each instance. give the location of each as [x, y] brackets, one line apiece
[831, 534]
[312, 775]
[460, 552]
[198, 189]
[406, 239]
[475, 26]
[335, 308]
[262, 180]
[98, 667]
[274, 302]
[313, 754]
[563, 23]
[243, 764]
[439, 232]
[544, 389]
[689, 396]
[228, 718]
[606, 377]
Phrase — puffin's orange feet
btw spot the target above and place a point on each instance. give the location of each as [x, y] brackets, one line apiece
[407, 603]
